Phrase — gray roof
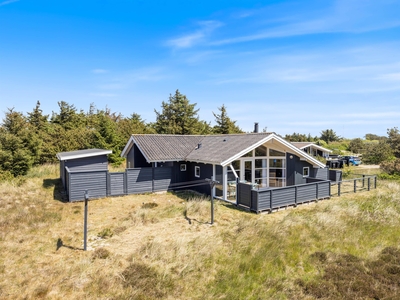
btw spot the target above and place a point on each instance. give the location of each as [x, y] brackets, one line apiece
[302, 145]
[82, 153]
[214, 149]
[166, 147]
[220, 148]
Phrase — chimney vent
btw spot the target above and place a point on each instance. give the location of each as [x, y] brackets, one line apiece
[198, 145]
[256, 127]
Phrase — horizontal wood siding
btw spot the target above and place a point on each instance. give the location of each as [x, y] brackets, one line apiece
[264, 200]
[94, 182]
[139, 180]
[322, 174]
[162, 178]
[273, 198]
[306, 193]
[117, 184]
[335, 175]
[244, 194]
[283, 197]
[94, 163]
[324, 190]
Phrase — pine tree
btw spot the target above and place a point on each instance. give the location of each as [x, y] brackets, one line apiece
[224, 124]
[179, 116]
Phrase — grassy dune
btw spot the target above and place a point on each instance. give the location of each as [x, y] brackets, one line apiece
[162, 247]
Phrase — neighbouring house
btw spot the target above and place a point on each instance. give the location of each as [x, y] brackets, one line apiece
[313, 149]
[262, 160]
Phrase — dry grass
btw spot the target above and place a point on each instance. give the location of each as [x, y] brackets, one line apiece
[163, 247]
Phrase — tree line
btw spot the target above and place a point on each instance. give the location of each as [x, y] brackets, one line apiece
[36, 138]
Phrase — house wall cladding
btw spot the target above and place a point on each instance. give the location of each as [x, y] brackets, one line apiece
[294, 169]
[139, 180]
[95, 182]
[85, 164]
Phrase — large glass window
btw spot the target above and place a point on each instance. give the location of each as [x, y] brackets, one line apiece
[261, 169]
[236, 167]
[219, 178]
[261, 151]
[248, 167]
[273, 152]
[264, 166]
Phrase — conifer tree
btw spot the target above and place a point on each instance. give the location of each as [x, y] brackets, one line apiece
[179, 116]
[224, 124]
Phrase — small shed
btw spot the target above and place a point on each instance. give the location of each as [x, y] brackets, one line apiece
[82, 160]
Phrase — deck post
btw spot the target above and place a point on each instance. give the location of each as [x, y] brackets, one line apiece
[355, 185]
[375, 182]
[363, 180]
[270, 199]
[295, 196]
[316, 192]
[369, 183]
[338, 188]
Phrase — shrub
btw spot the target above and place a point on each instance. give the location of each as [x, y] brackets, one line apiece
[391, 167]
[101, 253]
[105, 233]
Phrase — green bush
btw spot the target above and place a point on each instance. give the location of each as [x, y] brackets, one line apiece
[391, 167]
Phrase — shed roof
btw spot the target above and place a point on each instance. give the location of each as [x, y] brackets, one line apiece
[82, 153]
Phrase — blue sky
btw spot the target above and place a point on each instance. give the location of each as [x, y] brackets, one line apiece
[293, 66]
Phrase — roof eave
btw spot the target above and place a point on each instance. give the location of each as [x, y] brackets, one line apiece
[61, 158]
[240, 154]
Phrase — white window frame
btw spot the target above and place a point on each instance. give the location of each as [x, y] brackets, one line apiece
[197, 170]
[308, 171]
[183, 167]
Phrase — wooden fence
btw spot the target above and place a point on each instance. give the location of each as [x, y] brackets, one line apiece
[354, 185]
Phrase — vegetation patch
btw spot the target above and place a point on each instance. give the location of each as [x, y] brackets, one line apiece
[146, 281]
[101, 253]
[349, 277]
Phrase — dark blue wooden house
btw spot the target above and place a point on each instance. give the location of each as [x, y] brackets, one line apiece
[262, 160]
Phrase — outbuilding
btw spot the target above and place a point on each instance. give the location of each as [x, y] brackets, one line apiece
[81, 161]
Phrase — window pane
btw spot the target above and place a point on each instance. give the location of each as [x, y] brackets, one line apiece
[277, 163]
[250, 154]
[261, 151]
[260, 163]
[218, 177]
[276, 173]
[273, 152]
[236, 165]
[247, 168]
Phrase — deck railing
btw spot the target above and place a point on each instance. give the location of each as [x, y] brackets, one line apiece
[269, 199]
[354, 185]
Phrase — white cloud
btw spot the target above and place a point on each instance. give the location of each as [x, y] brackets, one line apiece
[390, 77]
[191, 39]
[344, 16]
[8, 2]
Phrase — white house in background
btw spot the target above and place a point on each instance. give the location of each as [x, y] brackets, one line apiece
[312, 149]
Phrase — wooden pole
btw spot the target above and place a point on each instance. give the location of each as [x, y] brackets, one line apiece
[85, 221]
